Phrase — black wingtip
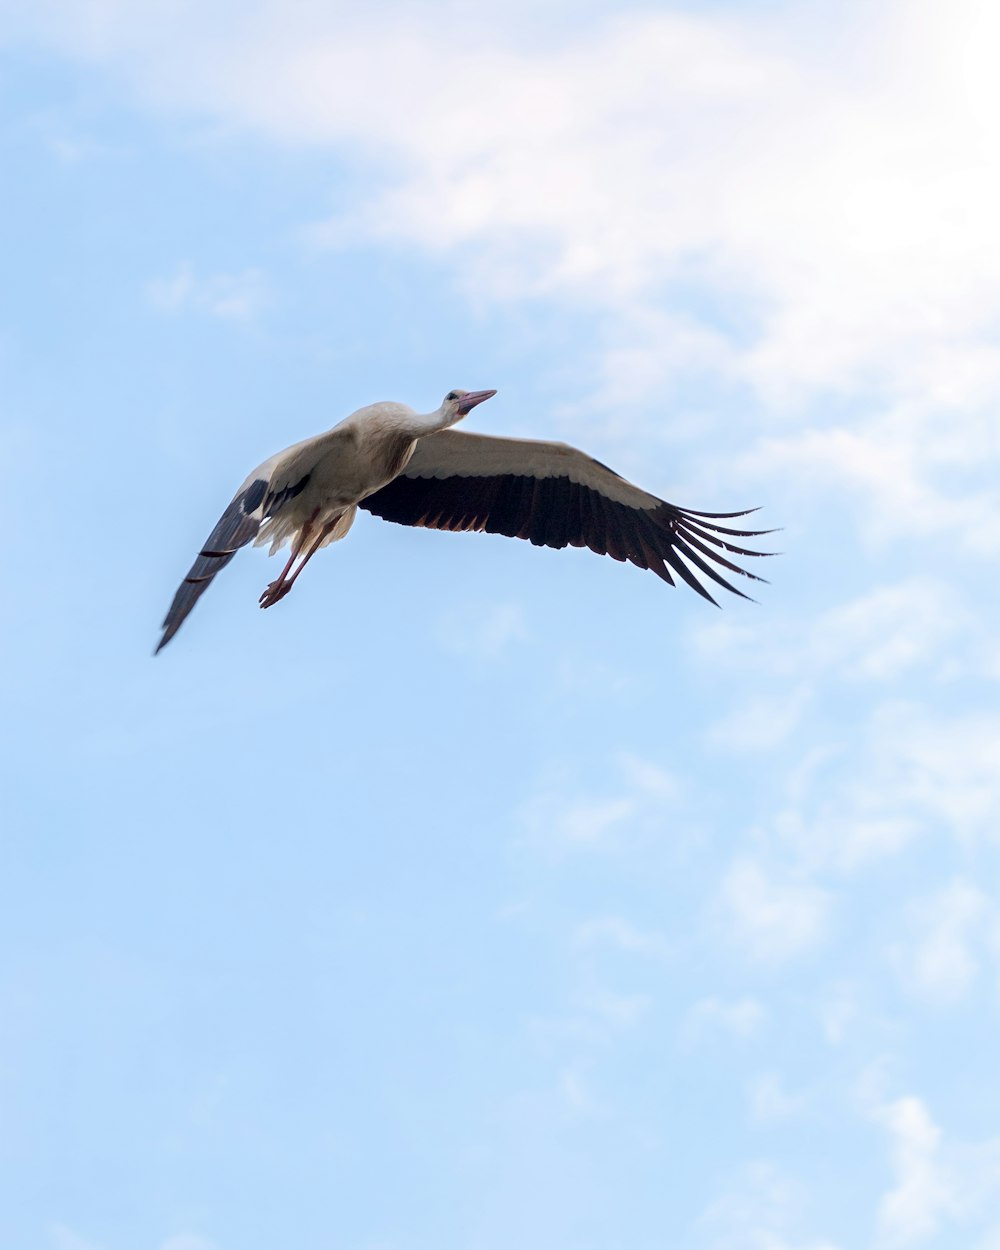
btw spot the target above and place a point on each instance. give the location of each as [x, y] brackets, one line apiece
[722, 516]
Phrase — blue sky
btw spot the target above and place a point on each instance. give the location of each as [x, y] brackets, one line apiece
[480, 896]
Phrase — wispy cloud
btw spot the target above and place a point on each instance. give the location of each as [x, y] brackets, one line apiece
[912, 772]
[761, 722]
[231, 297]
[844, 192]
[837, 1009]
[940, 767]
[485, 631]
[939, 1182]
[568, 813]
[759, 1210]
[595, 1018]
[618, 1011]
[741, 1018]
[894, 472]
[769, 915]
[908, 768]
[63, 1238]
[875, 638]
[616, 933]
[803, 211]
[948, 934]
[770, 1102]
[923, 1193]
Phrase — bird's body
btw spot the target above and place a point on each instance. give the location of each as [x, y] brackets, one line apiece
[411, 468]
[339, 468]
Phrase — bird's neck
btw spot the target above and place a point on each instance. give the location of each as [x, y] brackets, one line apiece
[429, 423]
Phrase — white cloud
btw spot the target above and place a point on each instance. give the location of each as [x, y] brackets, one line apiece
[856, 795]
[840, 175]
[63, 1238]
[940, 962]
[923, 1194]
[483, 630]
[889, 472]
[888, 632]
[941, 767]
[231, 297]
[771, 917]
[938, 1182]
[741, 1018]
[565, 814]
[757, 1211]
[592, 820]
[770, 1102]
[594, 678]
[187, 1241]
[837, 1008]
[650, 780]
[619, 934]
[596, 1017]
[575, 1090]
[877, 638]
[801, 203]
[762, 722]
[907, 773]
[619, 1011]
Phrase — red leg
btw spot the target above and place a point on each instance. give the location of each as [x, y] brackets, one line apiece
[281, 585]
[324, 532]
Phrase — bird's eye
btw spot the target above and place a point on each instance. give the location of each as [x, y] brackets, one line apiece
[452, 395]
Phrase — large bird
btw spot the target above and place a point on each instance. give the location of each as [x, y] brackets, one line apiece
[413, 469]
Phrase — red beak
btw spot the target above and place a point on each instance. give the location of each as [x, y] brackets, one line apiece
[468, 402]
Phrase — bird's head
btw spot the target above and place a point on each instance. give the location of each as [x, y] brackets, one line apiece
[458, 404]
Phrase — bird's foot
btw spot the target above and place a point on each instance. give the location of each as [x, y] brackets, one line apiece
[275, 591]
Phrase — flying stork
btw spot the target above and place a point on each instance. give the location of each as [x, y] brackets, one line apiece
[414, 470]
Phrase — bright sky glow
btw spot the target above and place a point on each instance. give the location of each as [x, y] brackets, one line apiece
[478, 896]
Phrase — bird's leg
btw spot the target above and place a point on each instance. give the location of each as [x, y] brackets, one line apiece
[281, 585]
[284, 572]
[324, 533]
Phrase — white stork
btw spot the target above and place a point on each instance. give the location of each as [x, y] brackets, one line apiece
[412, 469]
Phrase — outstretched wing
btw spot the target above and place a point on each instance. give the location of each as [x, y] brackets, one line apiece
[262, 495]
[554, 496]
[237, 526]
